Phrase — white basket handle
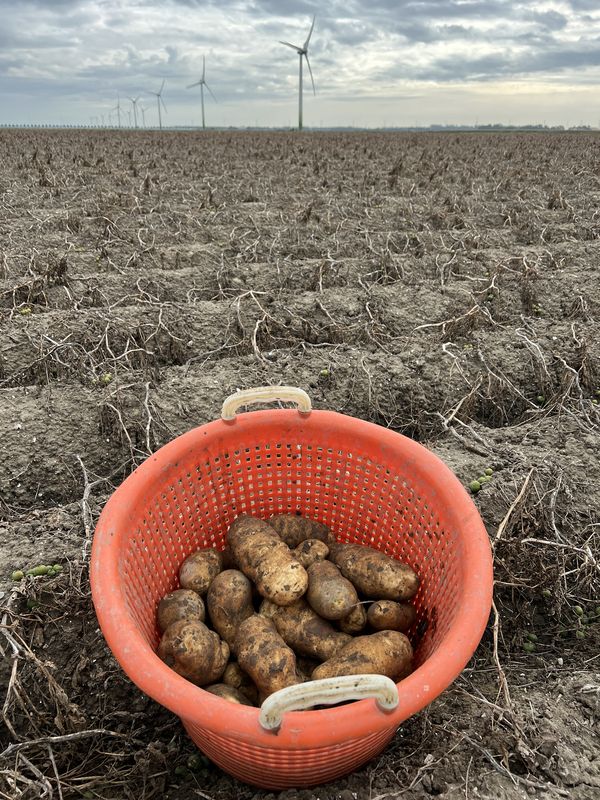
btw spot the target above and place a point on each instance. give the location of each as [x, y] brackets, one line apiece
[265, 394]
[326, 692]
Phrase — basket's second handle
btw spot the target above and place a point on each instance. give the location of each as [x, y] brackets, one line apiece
[326, 692]
[265, 394]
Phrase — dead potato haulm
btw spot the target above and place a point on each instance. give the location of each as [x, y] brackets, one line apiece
[283, 604]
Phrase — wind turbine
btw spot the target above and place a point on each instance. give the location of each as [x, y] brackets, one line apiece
[159, 100]
[117, 108]
[143, 110]
[302, 53]
[202, 83]
[134, 104]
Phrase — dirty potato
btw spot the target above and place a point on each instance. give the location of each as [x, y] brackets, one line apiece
[267, 561]
[229, 602]
[382, 653]
[387, 615]
[294, 530]
[309, 551]
[199, 569]
[235, 677]
[355, 621]
[228, 693]
[263, 654]
[375, 574]
[194, 651]
[304, 630]
[180, 604]
[330, 594]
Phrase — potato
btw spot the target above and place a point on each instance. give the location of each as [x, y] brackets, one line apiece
[355, 621]
[229, 602]
[309, 551]
[235, 677]
[228, 693]
[267, 561]
[375, 574]
[198, 570]
[304, 630]
[264, 655]
[387, 615]
[383, 653]
[330, 594]
[194, 652]
[293, 530]
[180, 604]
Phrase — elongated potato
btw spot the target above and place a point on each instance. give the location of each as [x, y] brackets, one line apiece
[387, 615]
[228, 693]
[355, 621]
[194, 651]
[239, 680]
[229, 602]
[309, 551]
[304, 630]
[330, 594]
[263, 654]
[198, 570]
[267, 561]
[382, 653]
[293, 530]
[375, 574]
[180, 604]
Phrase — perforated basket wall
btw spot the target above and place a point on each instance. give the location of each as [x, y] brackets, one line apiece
[369, 485]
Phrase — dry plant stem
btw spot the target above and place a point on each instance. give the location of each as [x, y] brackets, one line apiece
[504, 524]
[68, 737]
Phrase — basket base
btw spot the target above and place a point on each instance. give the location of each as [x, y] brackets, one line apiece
[277, 768]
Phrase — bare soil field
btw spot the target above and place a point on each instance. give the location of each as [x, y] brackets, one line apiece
[444, 286]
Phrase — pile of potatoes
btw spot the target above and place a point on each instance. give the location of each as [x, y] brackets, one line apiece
[285, 603]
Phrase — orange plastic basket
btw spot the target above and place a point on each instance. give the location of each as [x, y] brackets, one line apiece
[370, 485]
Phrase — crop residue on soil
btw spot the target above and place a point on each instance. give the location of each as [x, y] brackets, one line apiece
[444, 286]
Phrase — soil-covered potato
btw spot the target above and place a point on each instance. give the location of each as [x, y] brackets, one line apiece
[194, 651]
[383, 653]
[387, 615]
[355, 621]
[199, 569]
[374, 573]
[294, 530]
[263, 654]
[304, 630]
[180, 604]
[235, 677]
[229, 602]
[329, 593]
[228, 693]
[309, 551]
[267, 561]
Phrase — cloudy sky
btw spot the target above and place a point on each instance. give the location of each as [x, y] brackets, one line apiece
[375, 62]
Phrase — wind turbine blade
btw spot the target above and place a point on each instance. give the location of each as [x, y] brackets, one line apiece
[310, 33]
[163, 103]
[311, 75]
[162, 86]
[293, 46]
[203, 67]
[191, 86]
[210, 90]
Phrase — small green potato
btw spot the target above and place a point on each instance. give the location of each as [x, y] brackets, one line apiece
[474, 486]
[17, 575]
[578, 610]
[580, 634]
[489, 471]
[532, 637]
[529, 647]
[546, 593]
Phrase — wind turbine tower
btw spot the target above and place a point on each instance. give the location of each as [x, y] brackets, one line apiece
[302, 53]
[134, 104]
[202, 83]
[117, 108]
[159, 101]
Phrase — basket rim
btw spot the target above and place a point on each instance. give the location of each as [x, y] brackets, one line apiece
[300, 729]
